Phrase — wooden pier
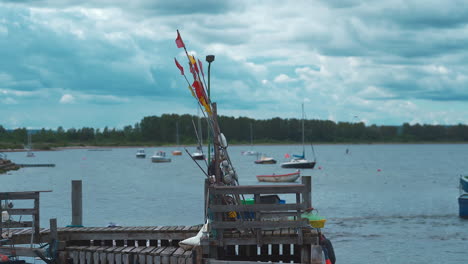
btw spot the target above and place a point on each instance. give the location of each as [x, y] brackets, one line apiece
[237, 233]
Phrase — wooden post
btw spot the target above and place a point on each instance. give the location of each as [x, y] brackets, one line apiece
[307, 196]
[53, 239]
[37, 225]
[77, 203]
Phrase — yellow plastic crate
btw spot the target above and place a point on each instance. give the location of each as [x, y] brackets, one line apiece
[314, 219]
[317, 223]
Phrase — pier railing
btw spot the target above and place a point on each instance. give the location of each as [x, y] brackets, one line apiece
[6, 199]
[262, 231]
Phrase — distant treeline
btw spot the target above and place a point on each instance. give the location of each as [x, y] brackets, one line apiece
[161, 130]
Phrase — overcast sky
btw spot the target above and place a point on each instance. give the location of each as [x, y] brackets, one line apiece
[111, 62]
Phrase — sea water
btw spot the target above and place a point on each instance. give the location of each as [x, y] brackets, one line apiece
[383, 203]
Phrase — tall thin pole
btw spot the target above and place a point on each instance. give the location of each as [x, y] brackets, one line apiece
[209, 59]
[303, 147]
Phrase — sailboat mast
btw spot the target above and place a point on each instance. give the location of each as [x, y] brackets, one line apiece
[303, 147]
[251, 135]
[177, 133]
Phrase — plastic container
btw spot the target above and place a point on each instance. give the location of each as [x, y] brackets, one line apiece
[463, 203]
[248, 201]
[314, 219]
[269, 199]
[247, 215]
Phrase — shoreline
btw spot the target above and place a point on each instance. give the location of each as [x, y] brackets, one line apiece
[90, 147]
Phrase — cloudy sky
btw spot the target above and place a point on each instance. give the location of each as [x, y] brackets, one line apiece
[111, 62]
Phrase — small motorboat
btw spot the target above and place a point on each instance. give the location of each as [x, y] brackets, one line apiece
[289, 177]
[159, 157]
[141, 153]
[198, 156]
[265, 160]
[176, 153]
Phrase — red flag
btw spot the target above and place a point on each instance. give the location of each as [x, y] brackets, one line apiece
[178, 41]
[196, 67]
[193, 72]
[179, 66]
[201, 67]
[198, 89]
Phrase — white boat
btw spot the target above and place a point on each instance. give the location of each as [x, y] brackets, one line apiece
[299, 161]
[160, 156]
[141, 153]
[250, 152]
[289, 177]
[198, 155]
[265, 160]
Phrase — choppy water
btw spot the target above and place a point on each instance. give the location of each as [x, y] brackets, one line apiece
[383, 203]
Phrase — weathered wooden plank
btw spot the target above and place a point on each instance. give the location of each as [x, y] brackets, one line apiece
[257, 189]
[215, 261]
[127, 255]
[166, 254]
[19, 195]
[257, 207]
[21, 251]
[15, 224]
[188, 256]
[157, 255]
[265, 240]
[258, 224]
[21, 211]
[174, 259]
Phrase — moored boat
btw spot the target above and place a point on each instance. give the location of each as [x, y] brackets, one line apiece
[289, 177]
[160, 156]
[141, 153]
[198, 156]
[265, 160]
[464, 183]
[299, 161]
[298, 164]
[463, 205]
[176, 153]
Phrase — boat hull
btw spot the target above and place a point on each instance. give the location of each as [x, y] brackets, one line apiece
[463, 204]
[141, 156]
[298, 165]
[265, 161]
[176, 153]
[290, 177]
[160, 160]
[464, 183]
[198, 156]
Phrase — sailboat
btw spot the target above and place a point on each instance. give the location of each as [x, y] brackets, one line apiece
[299, 161]
[177, 152]
[198, 155]
[250, 152]
[30, 154]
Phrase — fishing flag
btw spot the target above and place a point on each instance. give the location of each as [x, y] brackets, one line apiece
[191, 90]
[192, 60]
[201, 96]
[179, 42]
[179, 66]
[201, 68]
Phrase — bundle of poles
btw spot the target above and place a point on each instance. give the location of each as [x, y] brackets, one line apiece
[220, 170]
